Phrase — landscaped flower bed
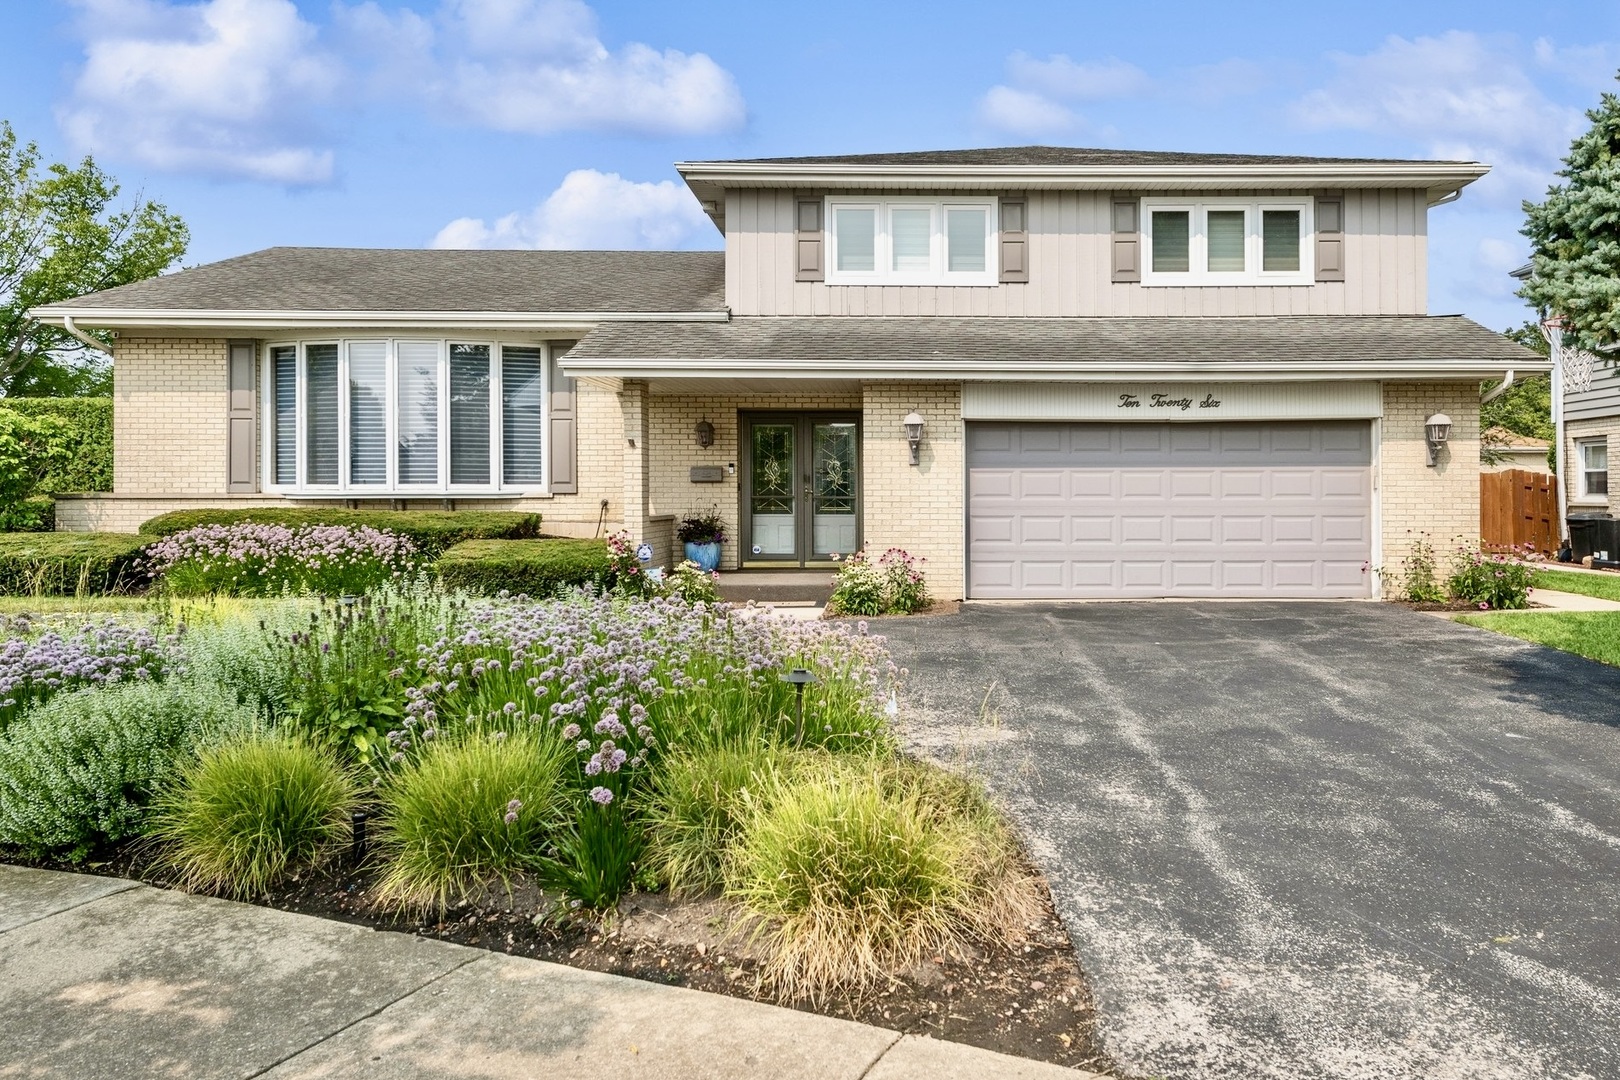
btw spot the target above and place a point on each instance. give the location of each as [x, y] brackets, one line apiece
[249, 559]
[37, 662]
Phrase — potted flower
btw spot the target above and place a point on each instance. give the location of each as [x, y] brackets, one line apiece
[702, 534]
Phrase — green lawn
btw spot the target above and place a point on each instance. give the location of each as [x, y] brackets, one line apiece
[1606, 586]
[56, 605]
[1592, 634]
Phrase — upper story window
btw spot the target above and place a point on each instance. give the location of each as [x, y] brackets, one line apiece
[403, 415]
[1226, 241]
[1593, 468]
[911, 241]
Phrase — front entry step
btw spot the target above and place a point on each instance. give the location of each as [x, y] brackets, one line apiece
[776, 586]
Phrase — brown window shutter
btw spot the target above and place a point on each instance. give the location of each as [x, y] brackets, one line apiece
[1126, 264]
[809, 243]
[242, 388]
[1014, 240]
[564, 449]
[1330, 237]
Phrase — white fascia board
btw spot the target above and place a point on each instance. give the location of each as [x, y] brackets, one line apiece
[1055, 371]
[192, 318]
[1435, 176]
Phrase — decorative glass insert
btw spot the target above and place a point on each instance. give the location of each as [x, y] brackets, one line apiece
[368, 420]
[857, 238]
[833, 469]
[321, 425]
[1172, 241]
[1279, 236]
[772, 469]
[418, 418]
[964, 239]
[522, 386]
[1227, 235]
[469, 414]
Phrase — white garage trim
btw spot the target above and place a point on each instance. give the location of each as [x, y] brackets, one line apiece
[1158, 402]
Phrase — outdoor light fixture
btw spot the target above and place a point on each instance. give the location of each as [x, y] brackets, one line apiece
[799, 678]
[1435, 431]
[914, 426]
[705, 434]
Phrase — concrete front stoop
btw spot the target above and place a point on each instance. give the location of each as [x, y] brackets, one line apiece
[797, 587]
[104, 978]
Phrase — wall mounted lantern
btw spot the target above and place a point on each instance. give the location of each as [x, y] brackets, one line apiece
[1436, 429]
[914, 426]
[705, 434]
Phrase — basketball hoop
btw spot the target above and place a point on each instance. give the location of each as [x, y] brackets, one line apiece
[1578, 370]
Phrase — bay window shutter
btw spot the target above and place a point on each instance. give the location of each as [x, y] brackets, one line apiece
[564, 427]
[242, 391]
[809, 246]
[1014, 240]
[1126, 248]
[1330, 237]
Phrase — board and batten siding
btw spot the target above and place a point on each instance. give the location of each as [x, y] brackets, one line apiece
[1599, 401]
[1386, 272]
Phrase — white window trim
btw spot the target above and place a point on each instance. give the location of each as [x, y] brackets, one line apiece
[883, 251]
[392, 488]
[1198, 242]
[1581, 492]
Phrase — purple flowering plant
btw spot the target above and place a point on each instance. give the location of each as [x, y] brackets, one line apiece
[256, 559]
[38, 661]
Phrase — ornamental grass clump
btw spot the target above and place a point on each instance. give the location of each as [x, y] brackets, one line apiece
[467, 809]
[849, 872]
[36, 664]
[249, 559]
[242, 815]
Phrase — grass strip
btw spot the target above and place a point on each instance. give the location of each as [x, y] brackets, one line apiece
[1592, 634]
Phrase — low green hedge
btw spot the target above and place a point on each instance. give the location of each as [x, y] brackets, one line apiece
[432, 531]
[70, 564]
[86, 438]
[533, 567]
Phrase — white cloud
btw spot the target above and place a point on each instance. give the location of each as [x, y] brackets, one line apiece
[538, 67]
[1024, 112]
[590, 209]
[222, 88]
[1592, 66]
[1035, 100]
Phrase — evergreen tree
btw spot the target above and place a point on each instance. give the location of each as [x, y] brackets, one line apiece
[1575, 236]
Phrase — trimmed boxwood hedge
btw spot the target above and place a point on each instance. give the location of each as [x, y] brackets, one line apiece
[68, 564]
[432, 531]
[532, 567]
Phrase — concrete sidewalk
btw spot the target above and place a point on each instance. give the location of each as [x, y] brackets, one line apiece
[102, 977]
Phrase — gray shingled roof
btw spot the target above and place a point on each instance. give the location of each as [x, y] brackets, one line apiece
[388, 279]
[1064, 155]
[1074, 340]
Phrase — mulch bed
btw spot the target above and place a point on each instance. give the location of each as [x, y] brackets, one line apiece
[1032, 1001]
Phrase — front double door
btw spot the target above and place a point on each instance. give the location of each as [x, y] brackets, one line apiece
[801, 487]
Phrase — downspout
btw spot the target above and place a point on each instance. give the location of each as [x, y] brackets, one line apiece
[1497, 391]
[1555, 342]
[99, 346]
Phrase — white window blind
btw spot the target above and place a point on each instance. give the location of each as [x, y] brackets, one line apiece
[911, 231]
[1595, 468]
[321, 425]
[368, 412]
[965, 232]
[469, 414]
[1227, 235]
[856, 237]
[522, 388]
[418, 411]
[1279, 238]
[1172, 241]
[284, 387]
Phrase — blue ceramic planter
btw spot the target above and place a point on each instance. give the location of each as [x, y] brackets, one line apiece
[707, 556]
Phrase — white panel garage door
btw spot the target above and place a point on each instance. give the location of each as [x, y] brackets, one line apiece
[1145, 510]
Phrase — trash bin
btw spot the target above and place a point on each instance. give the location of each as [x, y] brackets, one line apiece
[1593, 534]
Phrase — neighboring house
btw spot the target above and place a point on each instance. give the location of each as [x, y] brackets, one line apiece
[1514, 451]
[1135, 374]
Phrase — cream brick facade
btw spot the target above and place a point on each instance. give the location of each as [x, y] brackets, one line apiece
[1412, 498]
[920, 507]
[1579, 430]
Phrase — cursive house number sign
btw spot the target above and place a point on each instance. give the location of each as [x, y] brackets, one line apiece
[1166, 401]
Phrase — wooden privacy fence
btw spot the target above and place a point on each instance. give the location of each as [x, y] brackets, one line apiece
[1518, 508]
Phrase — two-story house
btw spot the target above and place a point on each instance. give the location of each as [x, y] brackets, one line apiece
[1050, 372]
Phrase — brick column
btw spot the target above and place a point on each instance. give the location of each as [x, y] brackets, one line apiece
[637, 462]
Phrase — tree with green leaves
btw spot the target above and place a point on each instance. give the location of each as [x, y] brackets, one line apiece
[1525, 408]
[1575, 237]
[61, 236]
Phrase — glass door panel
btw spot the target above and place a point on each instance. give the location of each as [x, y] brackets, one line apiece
[834, 475]
[772, 505]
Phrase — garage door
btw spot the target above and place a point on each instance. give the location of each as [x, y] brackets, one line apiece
[1145, 510]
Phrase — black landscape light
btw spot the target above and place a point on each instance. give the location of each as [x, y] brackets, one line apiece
[357, 844]
[800, 678]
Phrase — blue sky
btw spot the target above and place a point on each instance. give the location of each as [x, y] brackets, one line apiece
[555, 122]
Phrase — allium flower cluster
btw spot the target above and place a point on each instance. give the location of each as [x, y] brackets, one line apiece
[250, 558]
[33, 666]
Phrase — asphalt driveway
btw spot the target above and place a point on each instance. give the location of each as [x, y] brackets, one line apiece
[1304, 840]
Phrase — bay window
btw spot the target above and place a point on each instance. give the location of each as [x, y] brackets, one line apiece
[409, 416]
[1226, 241]
[910, 241]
